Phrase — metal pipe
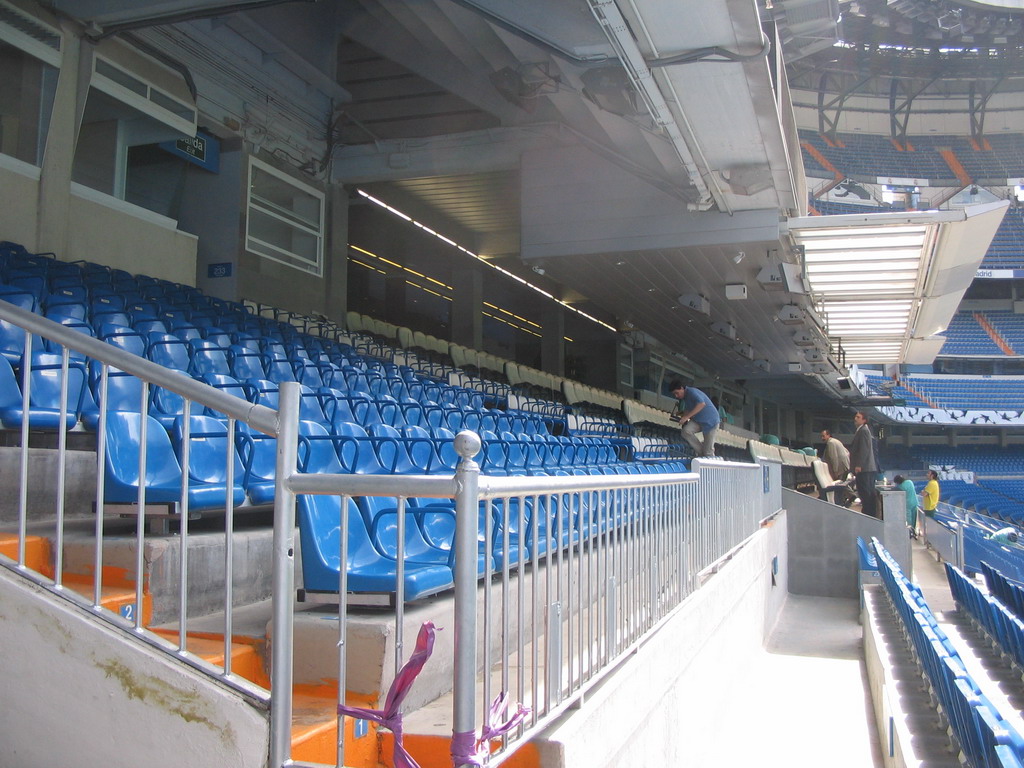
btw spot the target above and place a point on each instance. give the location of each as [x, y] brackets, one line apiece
[258, 416]
[287, 430]
[140, 519]
[186, 462]
[229, 555]
[26, 389]
[467, 445]
[62, 457]
[342, 626]
[101, 464]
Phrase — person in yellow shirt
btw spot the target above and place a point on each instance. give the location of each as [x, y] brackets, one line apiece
[930, 494]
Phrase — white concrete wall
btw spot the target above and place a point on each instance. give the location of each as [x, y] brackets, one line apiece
[669, 704]
[18, 215]
[102, 228]
[78, 693]
[891, 719]
[124, 236]
[823, 557]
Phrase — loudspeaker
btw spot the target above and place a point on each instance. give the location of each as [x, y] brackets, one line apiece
[845, 383]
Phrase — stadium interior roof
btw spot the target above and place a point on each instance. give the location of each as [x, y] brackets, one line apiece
[685, 103]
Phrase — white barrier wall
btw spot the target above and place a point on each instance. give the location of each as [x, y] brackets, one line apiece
[83, 694]
[670, 703]
[102, 228]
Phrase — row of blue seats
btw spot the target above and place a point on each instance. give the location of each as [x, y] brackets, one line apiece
[1007, 591]
[876, 155]
[999, 623]
[977, 497]
[519, 530]
[349, 449]
[145, 306]
[187, 333]
[252, 457]
[981, 460]
[325, 405]
[984, 737]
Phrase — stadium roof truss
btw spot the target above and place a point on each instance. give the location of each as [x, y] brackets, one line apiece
[884, 285]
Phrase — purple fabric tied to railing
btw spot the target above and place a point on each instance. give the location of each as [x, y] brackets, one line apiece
[391, 717]
[467, 749]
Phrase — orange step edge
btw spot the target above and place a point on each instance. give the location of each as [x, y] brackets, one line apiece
[37, 552]
[116, 592]
[246, 652]
[315, 728]
[314, 707]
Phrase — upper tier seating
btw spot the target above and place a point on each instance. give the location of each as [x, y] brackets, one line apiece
[986, 393]
[966, 336]
[869, 156]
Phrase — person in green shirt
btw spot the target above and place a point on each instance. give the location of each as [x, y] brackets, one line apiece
[907, 487]
[1008, 537]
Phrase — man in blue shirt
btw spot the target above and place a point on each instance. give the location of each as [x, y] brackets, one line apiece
[696, 413]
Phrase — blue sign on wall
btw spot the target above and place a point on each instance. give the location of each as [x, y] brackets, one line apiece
[202, 150]
[223, 269]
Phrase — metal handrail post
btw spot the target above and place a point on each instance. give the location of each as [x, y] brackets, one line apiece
[284, 576]
[467, 475]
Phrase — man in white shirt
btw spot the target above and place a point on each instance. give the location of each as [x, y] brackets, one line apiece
[835, 456]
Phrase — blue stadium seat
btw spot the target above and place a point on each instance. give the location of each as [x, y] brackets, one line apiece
[124, 393]
[245, 363]
[162, 475]
[208, 359]
[45, 381]
[209, 452]
[169, 351]
[367, 570]
[258, 454]
[123, 337]
[12, 337]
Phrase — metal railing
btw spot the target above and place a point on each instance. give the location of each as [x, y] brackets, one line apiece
[590, 565]
[961, 537]
[90, 597]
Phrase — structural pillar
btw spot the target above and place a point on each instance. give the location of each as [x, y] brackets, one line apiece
[467, 303]
[552, 344]
[396, 296]
[61, 137]
[336, 256]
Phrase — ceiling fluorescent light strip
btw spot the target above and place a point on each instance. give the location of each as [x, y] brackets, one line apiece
[482, 260]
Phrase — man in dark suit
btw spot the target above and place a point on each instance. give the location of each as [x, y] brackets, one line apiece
[864, 464]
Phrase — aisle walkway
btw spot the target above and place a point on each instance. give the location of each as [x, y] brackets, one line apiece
[805, 703]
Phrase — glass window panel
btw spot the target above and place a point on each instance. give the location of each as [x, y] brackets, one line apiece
[285, 219]
[27, 87]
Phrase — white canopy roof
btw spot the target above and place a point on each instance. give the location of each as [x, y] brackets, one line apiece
[885, 284]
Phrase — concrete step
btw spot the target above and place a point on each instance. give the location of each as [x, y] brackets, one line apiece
[314, 707]
[251, 570]
[315, 728]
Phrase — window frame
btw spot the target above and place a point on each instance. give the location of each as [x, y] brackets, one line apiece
[266, 208]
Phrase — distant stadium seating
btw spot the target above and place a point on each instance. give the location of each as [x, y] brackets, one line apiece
[966, 336]
[869, 156]
[866, 158]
